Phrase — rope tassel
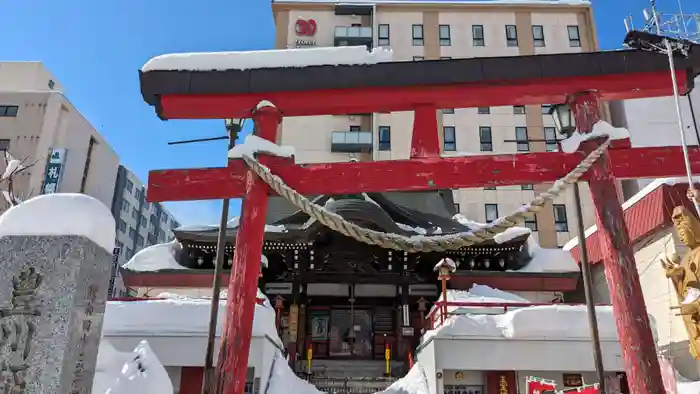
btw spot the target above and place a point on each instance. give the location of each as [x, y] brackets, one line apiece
[424, 244]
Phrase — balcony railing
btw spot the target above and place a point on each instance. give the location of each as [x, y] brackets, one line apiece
[353, 35]
[351, 141]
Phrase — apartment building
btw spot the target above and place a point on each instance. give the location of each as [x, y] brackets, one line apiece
[139, 223]
[38, 124]
[432, 30]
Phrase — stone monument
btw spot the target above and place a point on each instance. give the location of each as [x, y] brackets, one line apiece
[55, 261]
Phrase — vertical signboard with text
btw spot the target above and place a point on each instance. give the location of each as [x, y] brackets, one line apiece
[115, 268]
[54, 170]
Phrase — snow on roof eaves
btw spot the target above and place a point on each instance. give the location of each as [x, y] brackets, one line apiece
[438, 2]
[655, 184]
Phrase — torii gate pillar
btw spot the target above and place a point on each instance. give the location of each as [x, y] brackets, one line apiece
[633, 327]
[243, 284]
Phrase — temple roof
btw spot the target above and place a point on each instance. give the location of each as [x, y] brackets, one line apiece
[405, 213]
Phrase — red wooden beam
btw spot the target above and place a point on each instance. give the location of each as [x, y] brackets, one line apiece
[243, 284]
[387, 99]
[413, 175]
[632, 320]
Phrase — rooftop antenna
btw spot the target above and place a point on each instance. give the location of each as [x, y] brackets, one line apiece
[672, 35]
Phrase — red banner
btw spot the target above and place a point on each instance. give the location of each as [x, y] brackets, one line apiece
[538, 386]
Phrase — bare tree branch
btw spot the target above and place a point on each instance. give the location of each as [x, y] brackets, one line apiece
[13, 167]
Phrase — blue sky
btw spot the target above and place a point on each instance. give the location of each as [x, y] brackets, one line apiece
[95, 48]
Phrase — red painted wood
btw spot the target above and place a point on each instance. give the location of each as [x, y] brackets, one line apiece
[191, 379]
[414, 175]
[243, 285]
[638, 348]
[406, 98]
[425, 141]
[494, 385]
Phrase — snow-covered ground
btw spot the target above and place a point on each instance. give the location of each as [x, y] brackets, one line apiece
[138, 372]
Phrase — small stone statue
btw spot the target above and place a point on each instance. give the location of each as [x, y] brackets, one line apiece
[685, 274]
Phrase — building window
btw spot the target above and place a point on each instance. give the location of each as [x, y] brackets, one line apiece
[511, 35]
[574, 36]
[52, 84]
[139, 241]
[384, 138]
[483, 110]
[526, 187]
[450, 139]
[122, 225]
[137, 194]
[86, 168]
[383, 35]
[135, 214]
[8, 110]
[132, 233]
[478, 35]
[4, 145]
[550, 139]
[491, 212]
[485, 139]
[125, 206]
[546, 109]
[519, 109]
[417, 35]
[143, 221]
[129, 186]
[531, 223]
[418, 58]
[538, 35]
[161, 235]
[444, 32]
[560, 222]
[521, 139]
[448, 111]
[129, 253]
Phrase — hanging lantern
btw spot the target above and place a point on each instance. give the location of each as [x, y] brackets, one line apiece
[563, 119]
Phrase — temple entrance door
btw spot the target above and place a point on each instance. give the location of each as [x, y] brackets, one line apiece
[350, 334]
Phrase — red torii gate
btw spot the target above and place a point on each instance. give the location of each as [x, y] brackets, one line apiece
[423, 87]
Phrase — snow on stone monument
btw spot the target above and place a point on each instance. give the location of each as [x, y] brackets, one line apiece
[55, 259]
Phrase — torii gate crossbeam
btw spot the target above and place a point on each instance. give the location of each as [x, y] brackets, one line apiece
[422, 87]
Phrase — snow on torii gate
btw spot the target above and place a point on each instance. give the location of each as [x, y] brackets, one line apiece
[218, 86]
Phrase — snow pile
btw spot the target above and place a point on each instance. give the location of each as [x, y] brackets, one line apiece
[284, 381]
[600, 129]
[276, 58]
[177, 315]
[414, 382]
[142, 374]
[653, 185]
[61, 214]
[254, 144]
[506, 236]
[688, 388]
[563, 322]
[543, 260]
[109, 363]
[156, 258]
[549, 260]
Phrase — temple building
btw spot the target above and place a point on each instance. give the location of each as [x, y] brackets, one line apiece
[340, 300]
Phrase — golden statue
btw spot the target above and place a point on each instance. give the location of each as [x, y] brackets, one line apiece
[684, 274]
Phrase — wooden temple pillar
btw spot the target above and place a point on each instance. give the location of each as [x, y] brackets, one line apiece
[232, 365]
[633, 327]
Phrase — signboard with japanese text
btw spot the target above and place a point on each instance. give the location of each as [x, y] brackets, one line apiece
[54, 170]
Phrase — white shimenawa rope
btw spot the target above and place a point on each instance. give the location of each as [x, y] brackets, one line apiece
[420, 243]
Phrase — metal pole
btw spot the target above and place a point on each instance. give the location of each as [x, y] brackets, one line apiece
[209, 375]
[684, 144]
[588, 292]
